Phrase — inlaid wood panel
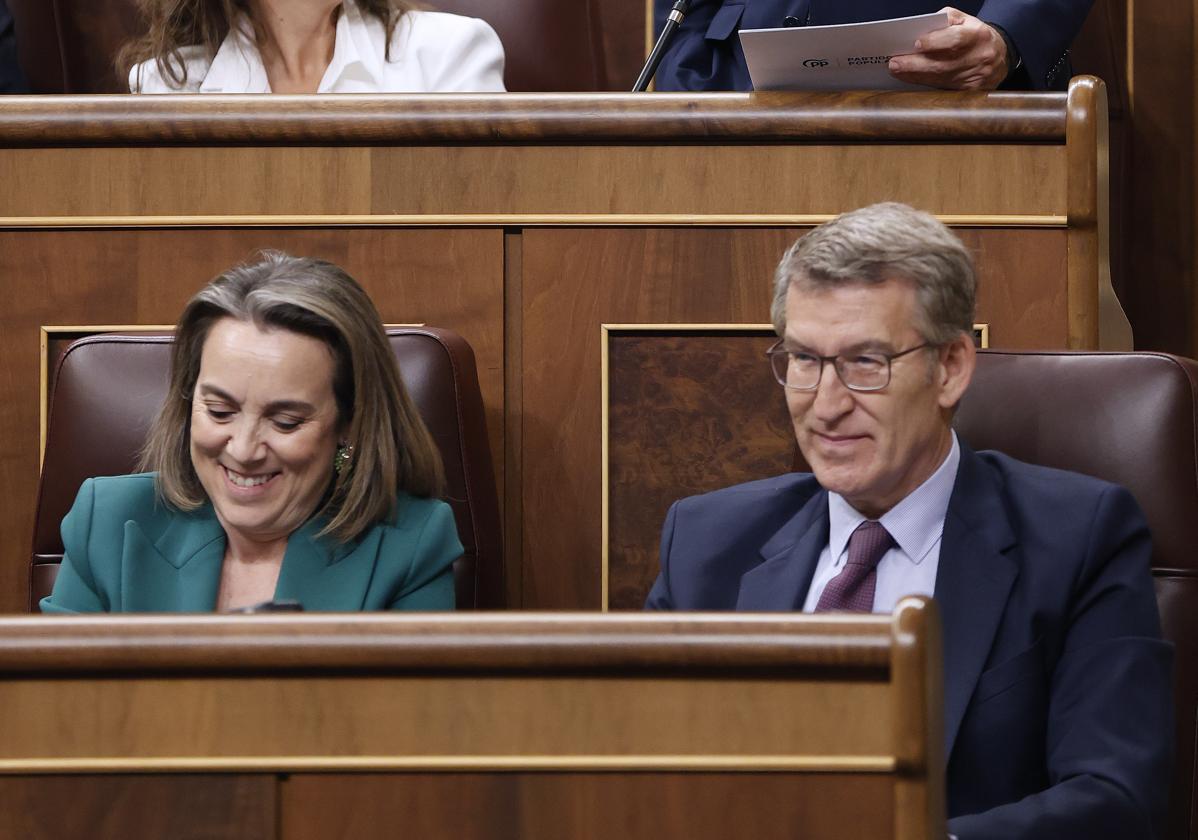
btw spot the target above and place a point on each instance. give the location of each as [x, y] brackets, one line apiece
[449, 278]
[646, 806]
[139, 807]
[688, 412]
[577, 280]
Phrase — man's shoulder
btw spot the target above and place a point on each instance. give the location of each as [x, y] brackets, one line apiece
[1056, 506]
[784, 492]
[1033, 482]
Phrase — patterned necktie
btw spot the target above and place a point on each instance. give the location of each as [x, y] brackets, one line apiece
[853, 589]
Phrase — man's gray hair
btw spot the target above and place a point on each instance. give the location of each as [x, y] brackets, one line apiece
[884, 242]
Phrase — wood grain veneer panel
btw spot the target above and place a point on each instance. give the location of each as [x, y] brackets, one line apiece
[585, 806]
[138, 807]
[166, 181]
[960, 179]
[689, 413]
[576, 280]
[1021, 290]
[449, 278]
[385, 719]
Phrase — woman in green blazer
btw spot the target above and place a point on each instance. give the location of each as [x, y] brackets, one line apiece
[287, 463]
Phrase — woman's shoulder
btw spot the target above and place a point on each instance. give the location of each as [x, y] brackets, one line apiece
[455, 53]
[412, 514]
[147, 77]
[121, 490]
[104, 506]
[444, 25]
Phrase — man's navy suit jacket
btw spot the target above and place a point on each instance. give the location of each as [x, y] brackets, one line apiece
[11, 80]
[706, 54]
[1058, 711]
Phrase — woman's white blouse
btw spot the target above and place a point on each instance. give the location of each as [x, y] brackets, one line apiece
[431, 52]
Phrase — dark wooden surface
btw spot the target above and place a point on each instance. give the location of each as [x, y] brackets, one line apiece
[358, 119]
[140, 807]
[581, 806]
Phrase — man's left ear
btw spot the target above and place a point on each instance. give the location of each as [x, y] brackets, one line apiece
[958, 359]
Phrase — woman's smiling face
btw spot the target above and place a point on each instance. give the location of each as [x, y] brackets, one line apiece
[264, 427]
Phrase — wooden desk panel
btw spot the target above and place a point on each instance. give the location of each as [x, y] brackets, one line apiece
[537, 726]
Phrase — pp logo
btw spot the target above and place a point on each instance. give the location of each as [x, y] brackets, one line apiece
[816, 62]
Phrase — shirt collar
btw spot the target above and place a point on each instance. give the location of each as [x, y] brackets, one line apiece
[237, 65]
[916, 522]
[356, 65]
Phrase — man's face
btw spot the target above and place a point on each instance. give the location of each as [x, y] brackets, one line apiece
[873, 447]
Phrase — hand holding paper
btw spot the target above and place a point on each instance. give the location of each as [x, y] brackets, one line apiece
[965, 55]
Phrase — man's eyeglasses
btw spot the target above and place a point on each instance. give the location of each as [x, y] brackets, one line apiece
[800, 371]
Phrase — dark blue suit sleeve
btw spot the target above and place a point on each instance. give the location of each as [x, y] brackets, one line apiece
[1109, 730]
[705, 53]
[11, 80]
[1042, 31]
[659, 596]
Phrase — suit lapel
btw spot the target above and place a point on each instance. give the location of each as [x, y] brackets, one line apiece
[780, 583]
[973, 582]
[325, 575]
[180, 572]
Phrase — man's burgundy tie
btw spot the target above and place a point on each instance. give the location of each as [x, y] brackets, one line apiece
[853, 589]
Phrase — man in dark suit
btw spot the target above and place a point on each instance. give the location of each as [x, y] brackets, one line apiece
[1058, 718]
[11, 80]
[1015, 44]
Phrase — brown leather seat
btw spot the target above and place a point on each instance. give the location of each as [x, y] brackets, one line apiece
[108, 387]
[1127, 418]
[69, 46]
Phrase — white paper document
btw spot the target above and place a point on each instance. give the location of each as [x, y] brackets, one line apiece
[851, 56]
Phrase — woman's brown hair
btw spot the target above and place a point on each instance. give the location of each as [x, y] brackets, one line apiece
[174, 24]
[392, 449]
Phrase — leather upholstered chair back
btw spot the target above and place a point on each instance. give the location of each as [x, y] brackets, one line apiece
[108, 388]
[1127, 418]
[70, 46]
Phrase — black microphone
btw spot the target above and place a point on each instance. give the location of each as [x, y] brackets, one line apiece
[676, 16]
[281, 606]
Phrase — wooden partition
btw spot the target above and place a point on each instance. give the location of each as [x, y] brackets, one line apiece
[538, 227]
[537, 726]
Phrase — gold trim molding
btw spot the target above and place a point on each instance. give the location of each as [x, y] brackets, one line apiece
[497, 220]
[503, 763]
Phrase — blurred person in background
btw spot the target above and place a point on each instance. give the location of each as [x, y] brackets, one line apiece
[310, 46]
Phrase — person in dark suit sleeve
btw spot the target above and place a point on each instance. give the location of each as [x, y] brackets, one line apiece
[1015, 44]
[1058, 720]
[11, 79]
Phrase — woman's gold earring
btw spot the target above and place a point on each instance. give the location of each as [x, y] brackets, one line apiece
[343, 457]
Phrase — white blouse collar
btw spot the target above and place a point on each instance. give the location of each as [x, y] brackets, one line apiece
[355, 66]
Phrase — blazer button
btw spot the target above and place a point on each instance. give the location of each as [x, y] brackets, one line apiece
[791, 20]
